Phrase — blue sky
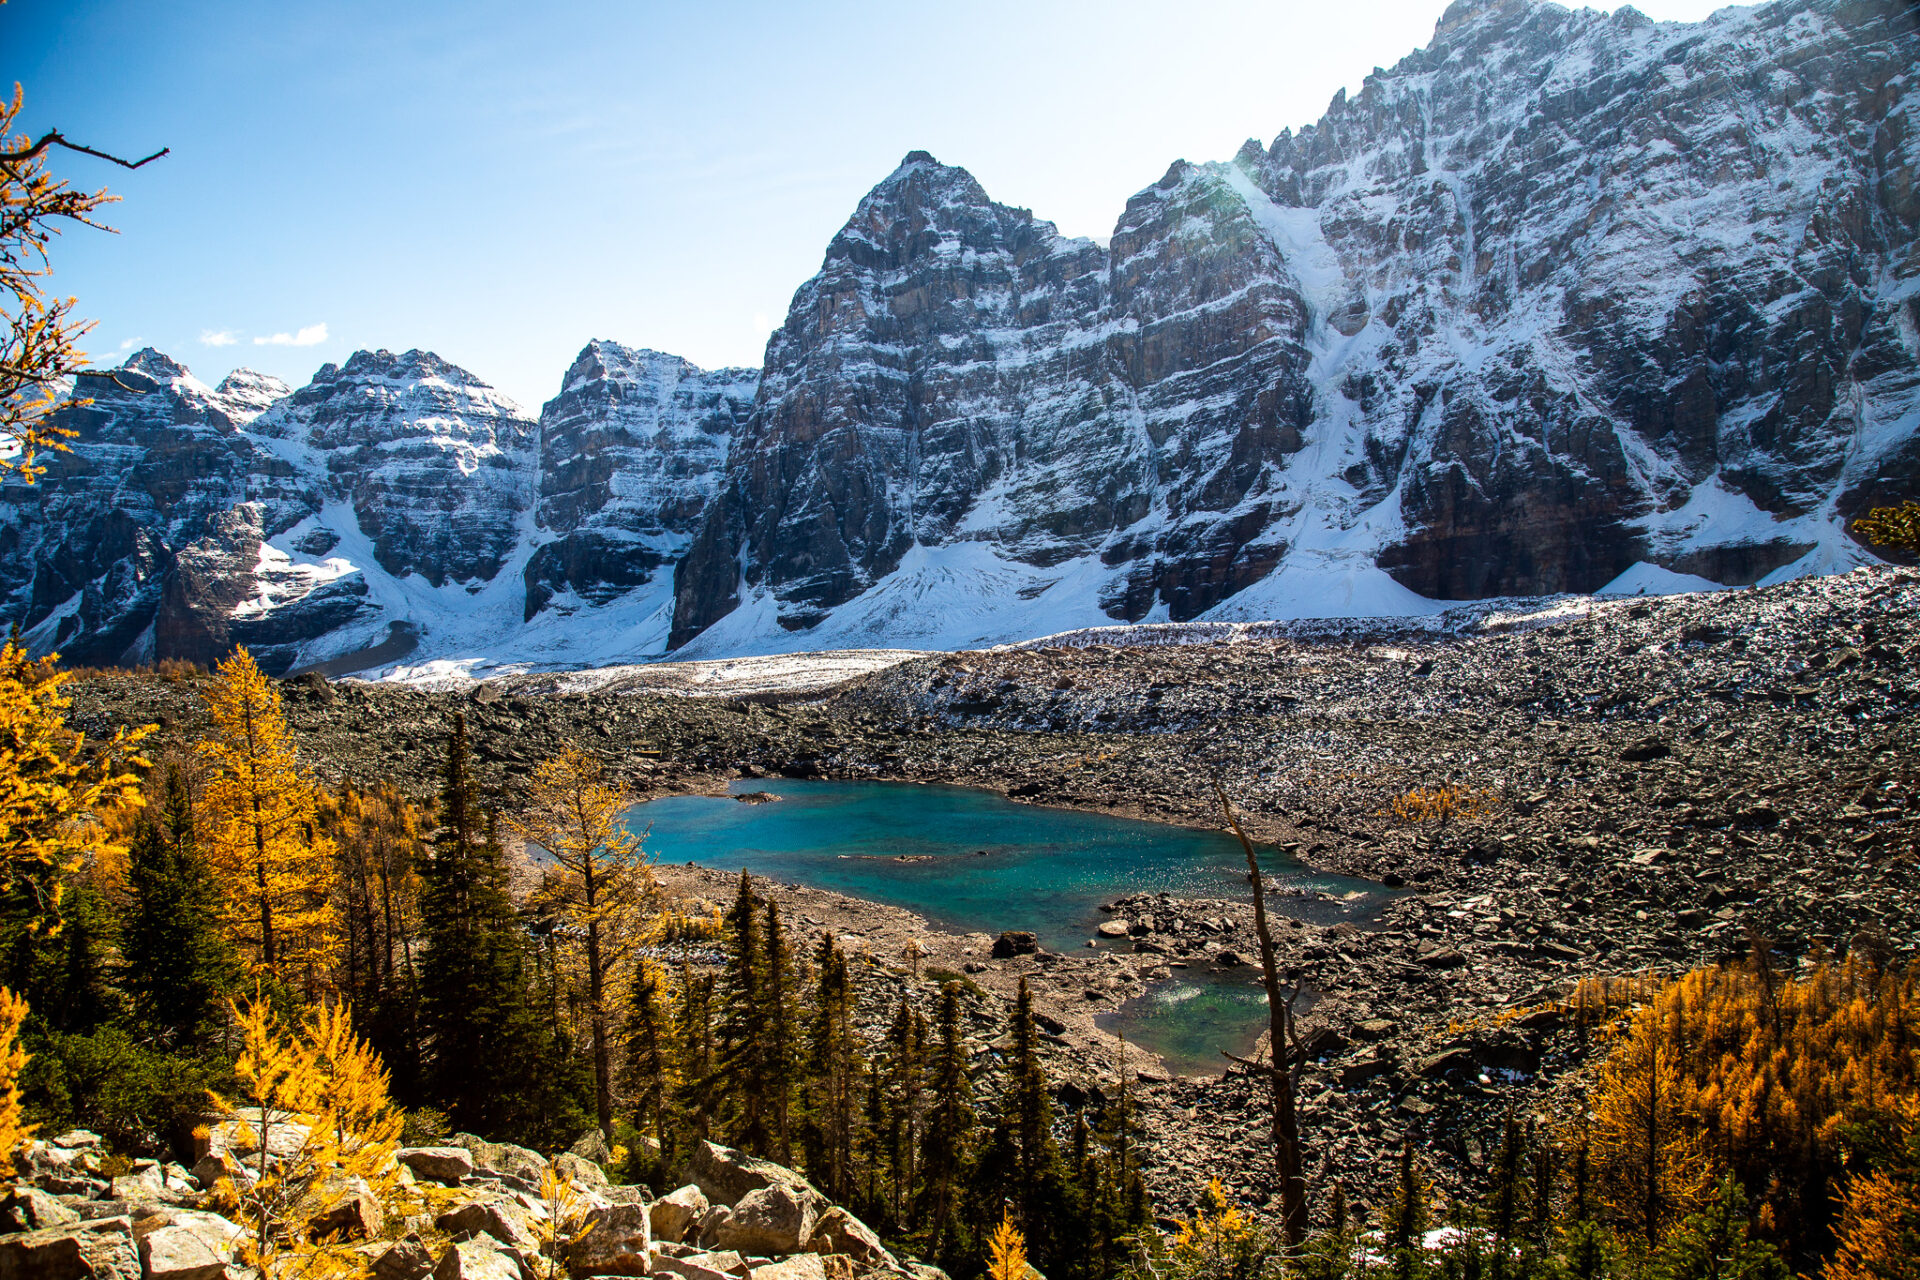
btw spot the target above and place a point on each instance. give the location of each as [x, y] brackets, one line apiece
[500, 182]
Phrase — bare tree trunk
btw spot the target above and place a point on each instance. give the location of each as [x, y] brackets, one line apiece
[1285, 1052]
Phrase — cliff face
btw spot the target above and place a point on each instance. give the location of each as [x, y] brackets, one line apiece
[1559, 294]
[1564, 299]
[86, 552]
[391, 489]
[631, 451]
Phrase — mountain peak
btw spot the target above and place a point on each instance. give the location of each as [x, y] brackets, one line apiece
[155, 364]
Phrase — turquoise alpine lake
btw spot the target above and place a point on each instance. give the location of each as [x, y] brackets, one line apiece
[975, 862]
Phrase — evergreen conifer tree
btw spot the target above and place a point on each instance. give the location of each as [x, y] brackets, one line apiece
[179, 967]
[742, 1057]
[475, 1011]
[648, 1076]
[782, 1050]
[833, 1074]
[945, 1151]
[1031, 1110]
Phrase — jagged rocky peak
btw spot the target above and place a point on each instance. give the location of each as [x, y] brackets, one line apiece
[252, 392]
[156, 460]
[436, 465]
[631, 451]
[1569, 376]
[890, 394]
[1562, 292]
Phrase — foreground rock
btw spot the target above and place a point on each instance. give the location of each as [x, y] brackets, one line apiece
[99, 1250]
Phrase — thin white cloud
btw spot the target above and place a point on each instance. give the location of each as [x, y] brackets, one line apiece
[130, 344]
[311, 336]
[217, 338]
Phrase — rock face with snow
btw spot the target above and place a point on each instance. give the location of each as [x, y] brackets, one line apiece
[631, 451]
[157, 461]
[435, 464]
[391, 489]
[1560, 293]
[1562, 299]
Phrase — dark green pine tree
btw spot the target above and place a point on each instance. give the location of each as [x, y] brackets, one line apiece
[742, 1068]
[1117, 1206]
[647, 1074]
[1040, 1192]
[946, 1148]
[833, 1071]
[63, 976]
[179, 967]
[903, 1105]
[1507, 1198]
[694, 1099]
[778, 998]
[483, 1037]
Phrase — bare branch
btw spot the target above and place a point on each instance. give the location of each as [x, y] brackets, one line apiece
[54, 138]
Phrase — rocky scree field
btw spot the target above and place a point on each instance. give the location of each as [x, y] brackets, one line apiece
[1667, 778]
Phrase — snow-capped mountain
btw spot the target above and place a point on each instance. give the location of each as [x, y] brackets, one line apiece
[1564, 299]
[393, 500]
[631, 451]
[1560, 294]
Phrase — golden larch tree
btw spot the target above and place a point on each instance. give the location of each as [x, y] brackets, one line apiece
[1879, 1232]
[1647, 1144]
[1007, 1251]
[600, 883]
[316, 1117]
[14, 1129]
[55, 792]
[39, 343]
[263, 833]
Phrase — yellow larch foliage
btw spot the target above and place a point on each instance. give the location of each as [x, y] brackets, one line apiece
[54, 791]
[1443, 805]
[320, 1124]
[600, 884]
[14, 1130]
[1758, 1075]
[262, 831]
[1007, 1251]
[1647, 1146]
[39, 339]
[1879, 1232]
[1895, 528]
[1220, 1239]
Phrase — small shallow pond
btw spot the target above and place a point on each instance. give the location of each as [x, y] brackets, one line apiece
[974, 861]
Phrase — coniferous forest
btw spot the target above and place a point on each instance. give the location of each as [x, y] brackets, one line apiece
[177, 924]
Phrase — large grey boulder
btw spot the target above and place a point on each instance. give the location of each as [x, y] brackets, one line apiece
[593, 1146]
[405, 1259]
[614, 1241]
[351, 1212]
[801, 1266]
[840, 1232]
[725, 1175]
[507, 1221]
[501, 1157]
[584, 1172]
[240, 1137]
[98, 1250]
[480, 1258]
[691, 1267]
[180, 1253]
[676, 1214]
[28, 1208]
[446, 1165]
[772, 1220]
[711, 1264]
